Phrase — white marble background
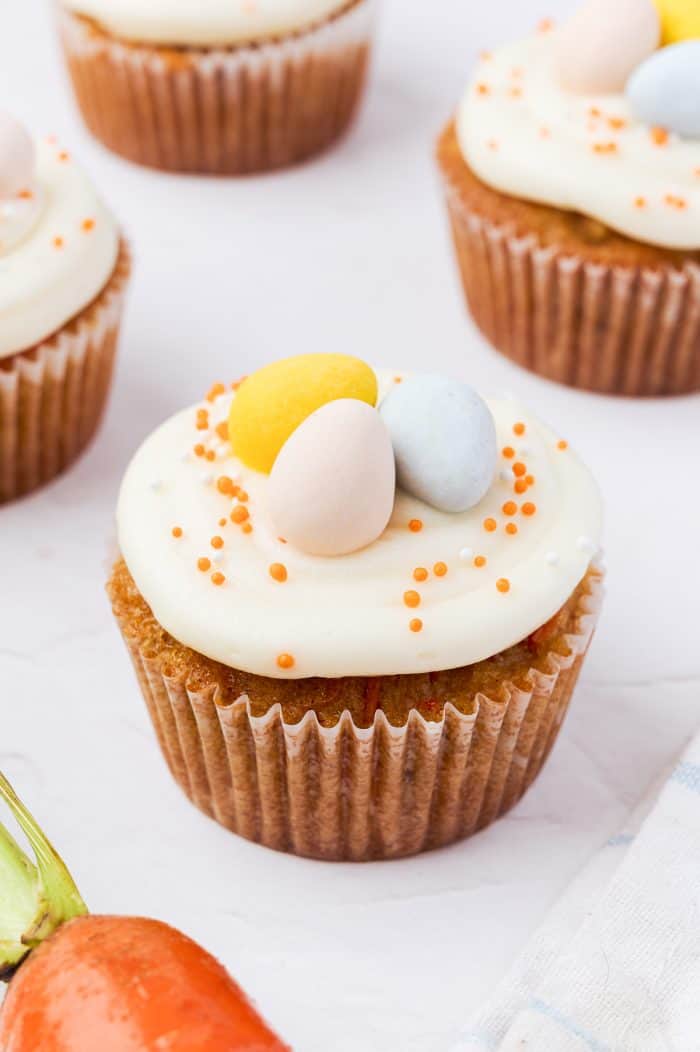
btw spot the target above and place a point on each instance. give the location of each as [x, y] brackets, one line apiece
[350, 254]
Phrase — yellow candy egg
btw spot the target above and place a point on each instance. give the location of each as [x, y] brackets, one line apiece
[680, 20]
[271, 404]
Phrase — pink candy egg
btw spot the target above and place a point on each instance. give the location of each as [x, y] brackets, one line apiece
[600, 47]
[17, 158]
[331, 489]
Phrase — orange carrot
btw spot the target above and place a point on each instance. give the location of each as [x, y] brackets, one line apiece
[106, 984]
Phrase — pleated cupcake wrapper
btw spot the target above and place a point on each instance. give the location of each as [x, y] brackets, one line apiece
[52, 397]
[613, 329]
[222, 111]
[345, 793]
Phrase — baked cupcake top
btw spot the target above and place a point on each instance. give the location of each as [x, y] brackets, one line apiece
[204, 23]
[58, 243]
[265, 529]
[595, 117]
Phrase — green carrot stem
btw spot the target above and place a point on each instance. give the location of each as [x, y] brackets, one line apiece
[35, 899]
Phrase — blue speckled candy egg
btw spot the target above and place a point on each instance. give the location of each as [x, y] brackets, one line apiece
[444, 440]
[665, 90]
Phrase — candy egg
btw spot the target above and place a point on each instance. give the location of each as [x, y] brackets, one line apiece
[596, 51]
[331, 490]
[275, 400]
[444, 440]
[17, 160]
[680, 20]
[664, 91]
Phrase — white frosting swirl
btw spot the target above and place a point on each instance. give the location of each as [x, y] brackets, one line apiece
[204, 22]
[347, 616]
[58, 254]
[523, 134]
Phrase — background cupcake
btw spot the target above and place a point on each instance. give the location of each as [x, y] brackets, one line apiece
[226, 88]
[572, 177]
[335, 667]
[63, 277]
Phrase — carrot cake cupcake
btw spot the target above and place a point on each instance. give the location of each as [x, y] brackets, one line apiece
[357, 604]
[217, 86]
[64, 273]
[572, 171]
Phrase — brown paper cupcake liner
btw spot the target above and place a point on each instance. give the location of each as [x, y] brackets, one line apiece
[224, 111]
[346, 793]
[608, 328]
[52, 396]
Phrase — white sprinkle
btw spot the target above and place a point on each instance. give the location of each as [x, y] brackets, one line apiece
[217, 557]
[552, 559]
[156, 486]
[185, 457]
[505, 476]
[525, 451]
[585, 544]
[466, 554]
[207, 478]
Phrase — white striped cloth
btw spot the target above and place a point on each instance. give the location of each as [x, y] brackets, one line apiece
[616, 965]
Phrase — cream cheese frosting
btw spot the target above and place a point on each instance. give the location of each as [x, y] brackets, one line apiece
[523, 134]
[219, 579]
[58, 248]
[204, 22]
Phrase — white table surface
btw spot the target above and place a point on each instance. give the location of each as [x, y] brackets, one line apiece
[350, 254]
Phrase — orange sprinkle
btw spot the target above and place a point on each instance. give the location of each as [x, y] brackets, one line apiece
[696, 173]
[492, 144]
[278, 572]
[520, 486]
[479, 561]
[511, 528]
[285, 661]
[210, 454]
[510, 508]
[440, 569]
[58, 242]
[25, 195]
[486, 56]
[528, 508]
[88, 225]
[617, 123]
[217, 542]
[420, 574]
[415, 525]
[222, 430]
[640, 202]
[416, 625]
[239, 514]
[204, 564]
[673, 201]
[530, 479]
[659, 136]
[503, 584]
[246, 527]
[519, 428]
[545, 133]
[222, 522]
[605, 147]
[562, 444]
[519, 470]
[225, 485]
[202, 424]
[199, 450]
[490, 525]
[594, 112]
[242, 496]
[411, 598]
[177, 531]
[214, 391]
[483, 89]
[509, 452]
[546, 25]
[217, 578]
[64, 155]
[515, 92]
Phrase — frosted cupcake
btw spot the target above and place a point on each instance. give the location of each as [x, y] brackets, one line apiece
[63, 272]
[572, 172]
[218, 86]
[357, 629]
